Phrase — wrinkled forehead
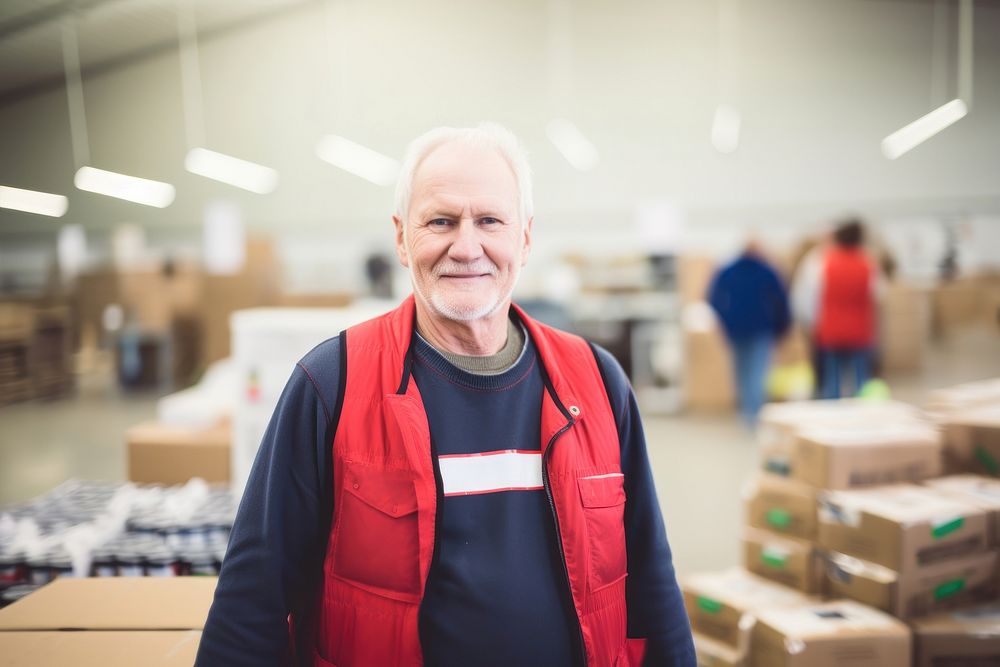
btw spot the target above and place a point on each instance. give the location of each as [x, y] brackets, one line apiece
[459, 174]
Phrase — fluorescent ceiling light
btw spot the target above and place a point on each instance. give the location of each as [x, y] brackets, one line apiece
[726, 129]
[922, 129]
[357, 159]
[232, 170]
[129, 188]
[32, 201]
[575, 147]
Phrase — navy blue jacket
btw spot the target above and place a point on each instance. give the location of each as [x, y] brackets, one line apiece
[273, 564]
[750, 299]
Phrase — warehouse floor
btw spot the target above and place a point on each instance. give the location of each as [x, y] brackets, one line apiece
[700, 462]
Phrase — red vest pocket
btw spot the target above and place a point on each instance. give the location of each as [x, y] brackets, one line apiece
[378, 545]
[603, 500]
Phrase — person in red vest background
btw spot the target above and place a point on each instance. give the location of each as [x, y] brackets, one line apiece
[841, 284]
[454, 482]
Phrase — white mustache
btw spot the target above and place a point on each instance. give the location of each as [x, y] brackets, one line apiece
[477, 267]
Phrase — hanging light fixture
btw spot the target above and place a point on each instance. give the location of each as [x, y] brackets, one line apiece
[32, 201]
[199, 160]
[912, 135]
[357, 159]
[92, 179]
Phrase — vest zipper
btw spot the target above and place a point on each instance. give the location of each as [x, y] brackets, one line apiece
[555, 520]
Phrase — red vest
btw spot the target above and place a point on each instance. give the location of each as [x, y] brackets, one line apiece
[385, 500]
[847, 307]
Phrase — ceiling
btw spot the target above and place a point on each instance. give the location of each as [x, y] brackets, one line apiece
[111, 33]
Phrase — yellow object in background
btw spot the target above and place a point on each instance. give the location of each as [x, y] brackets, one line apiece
[791, 382]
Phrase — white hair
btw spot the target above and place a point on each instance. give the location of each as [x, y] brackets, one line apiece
[491, 135]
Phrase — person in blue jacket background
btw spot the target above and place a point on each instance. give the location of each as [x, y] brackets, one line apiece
[751, 302]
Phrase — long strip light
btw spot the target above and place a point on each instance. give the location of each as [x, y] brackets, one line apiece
[357, 159]
[232, 170]
[122, 186]
[574, 146]
[33, 201]
[909, 137]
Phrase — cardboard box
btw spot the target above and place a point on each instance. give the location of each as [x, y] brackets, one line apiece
[850, 456]
[832, 634]
[786, 560]
[720, 604]
[905, 328]
[113, 603]
[935, 588]
[966, 638]
[902, 527]
[956, 305]
[972, 440]
[782, 505]
[711, 653]
[982, 492]
[780, 423]
[163, 454]
[964, 396]
[100, 649]
[708, 372]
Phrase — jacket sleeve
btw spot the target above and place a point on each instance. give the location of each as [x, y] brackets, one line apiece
[275, 551]
[655, 606]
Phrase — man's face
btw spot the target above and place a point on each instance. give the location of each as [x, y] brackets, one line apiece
[464, 239]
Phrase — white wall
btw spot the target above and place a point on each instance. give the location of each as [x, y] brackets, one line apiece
[820, 84]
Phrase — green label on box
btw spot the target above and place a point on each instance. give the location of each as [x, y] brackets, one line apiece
[949, 588]
[987, 460]
[773, 558]
[779, 518]
[709, 605]
[940, 530]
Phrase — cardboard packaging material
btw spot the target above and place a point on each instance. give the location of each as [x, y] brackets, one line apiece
[786, 560]
[902, 527]
[780, 423]
[964, 396]
[966, 638]
[782, 505]
[855, 456]
[972, 440]
[905, 327]
[164, 454]
[711, 653]
[708, 372]
[832, 634]
[113, 603]
[983, 492]
[721, 604]
[956, 305]
[935, 588]
[694, 274]
[165, 648]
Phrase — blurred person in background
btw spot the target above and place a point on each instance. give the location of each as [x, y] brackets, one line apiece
[837, 290]
[751, 301]
[452, 483]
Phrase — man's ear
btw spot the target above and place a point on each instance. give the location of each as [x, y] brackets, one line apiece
[401, 253]
[526, 248]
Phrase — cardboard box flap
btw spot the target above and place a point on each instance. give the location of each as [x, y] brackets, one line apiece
[114, 603]
[872, 435]
[983, 621]
[855, 567]
[742, 590]
[984, 490]
[837, 619]
[905, 504]
[100, 649]
[984, 416]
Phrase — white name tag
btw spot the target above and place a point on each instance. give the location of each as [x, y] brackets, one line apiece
[491, 472]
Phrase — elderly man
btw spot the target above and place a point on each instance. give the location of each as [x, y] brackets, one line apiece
[452, 483]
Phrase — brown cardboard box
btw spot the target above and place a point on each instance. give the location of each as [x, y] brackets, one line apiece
[858, 455]
[162, 454]
[905, 327]
[931, 589]
[718, 603]
[782, 505]
[966, 638]
[113, 603]
[786, 560]
[902, 527]
[832, 634]
[983, 492]
[694, 274]
[708, 372]
[780, 423]
[972, 440]
[99, 649]
[711, 653]
[956, 305]
[964, 396]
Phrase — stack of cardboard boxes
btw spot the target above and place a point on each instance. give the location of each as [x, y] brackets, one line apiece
[851, 506]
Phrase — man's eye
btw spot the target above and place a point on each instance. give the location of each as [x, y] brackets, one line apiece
[489, 221]
[439, 222]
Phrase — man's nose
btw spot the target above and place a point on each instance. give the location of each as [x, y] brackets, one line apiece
[466, 245]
